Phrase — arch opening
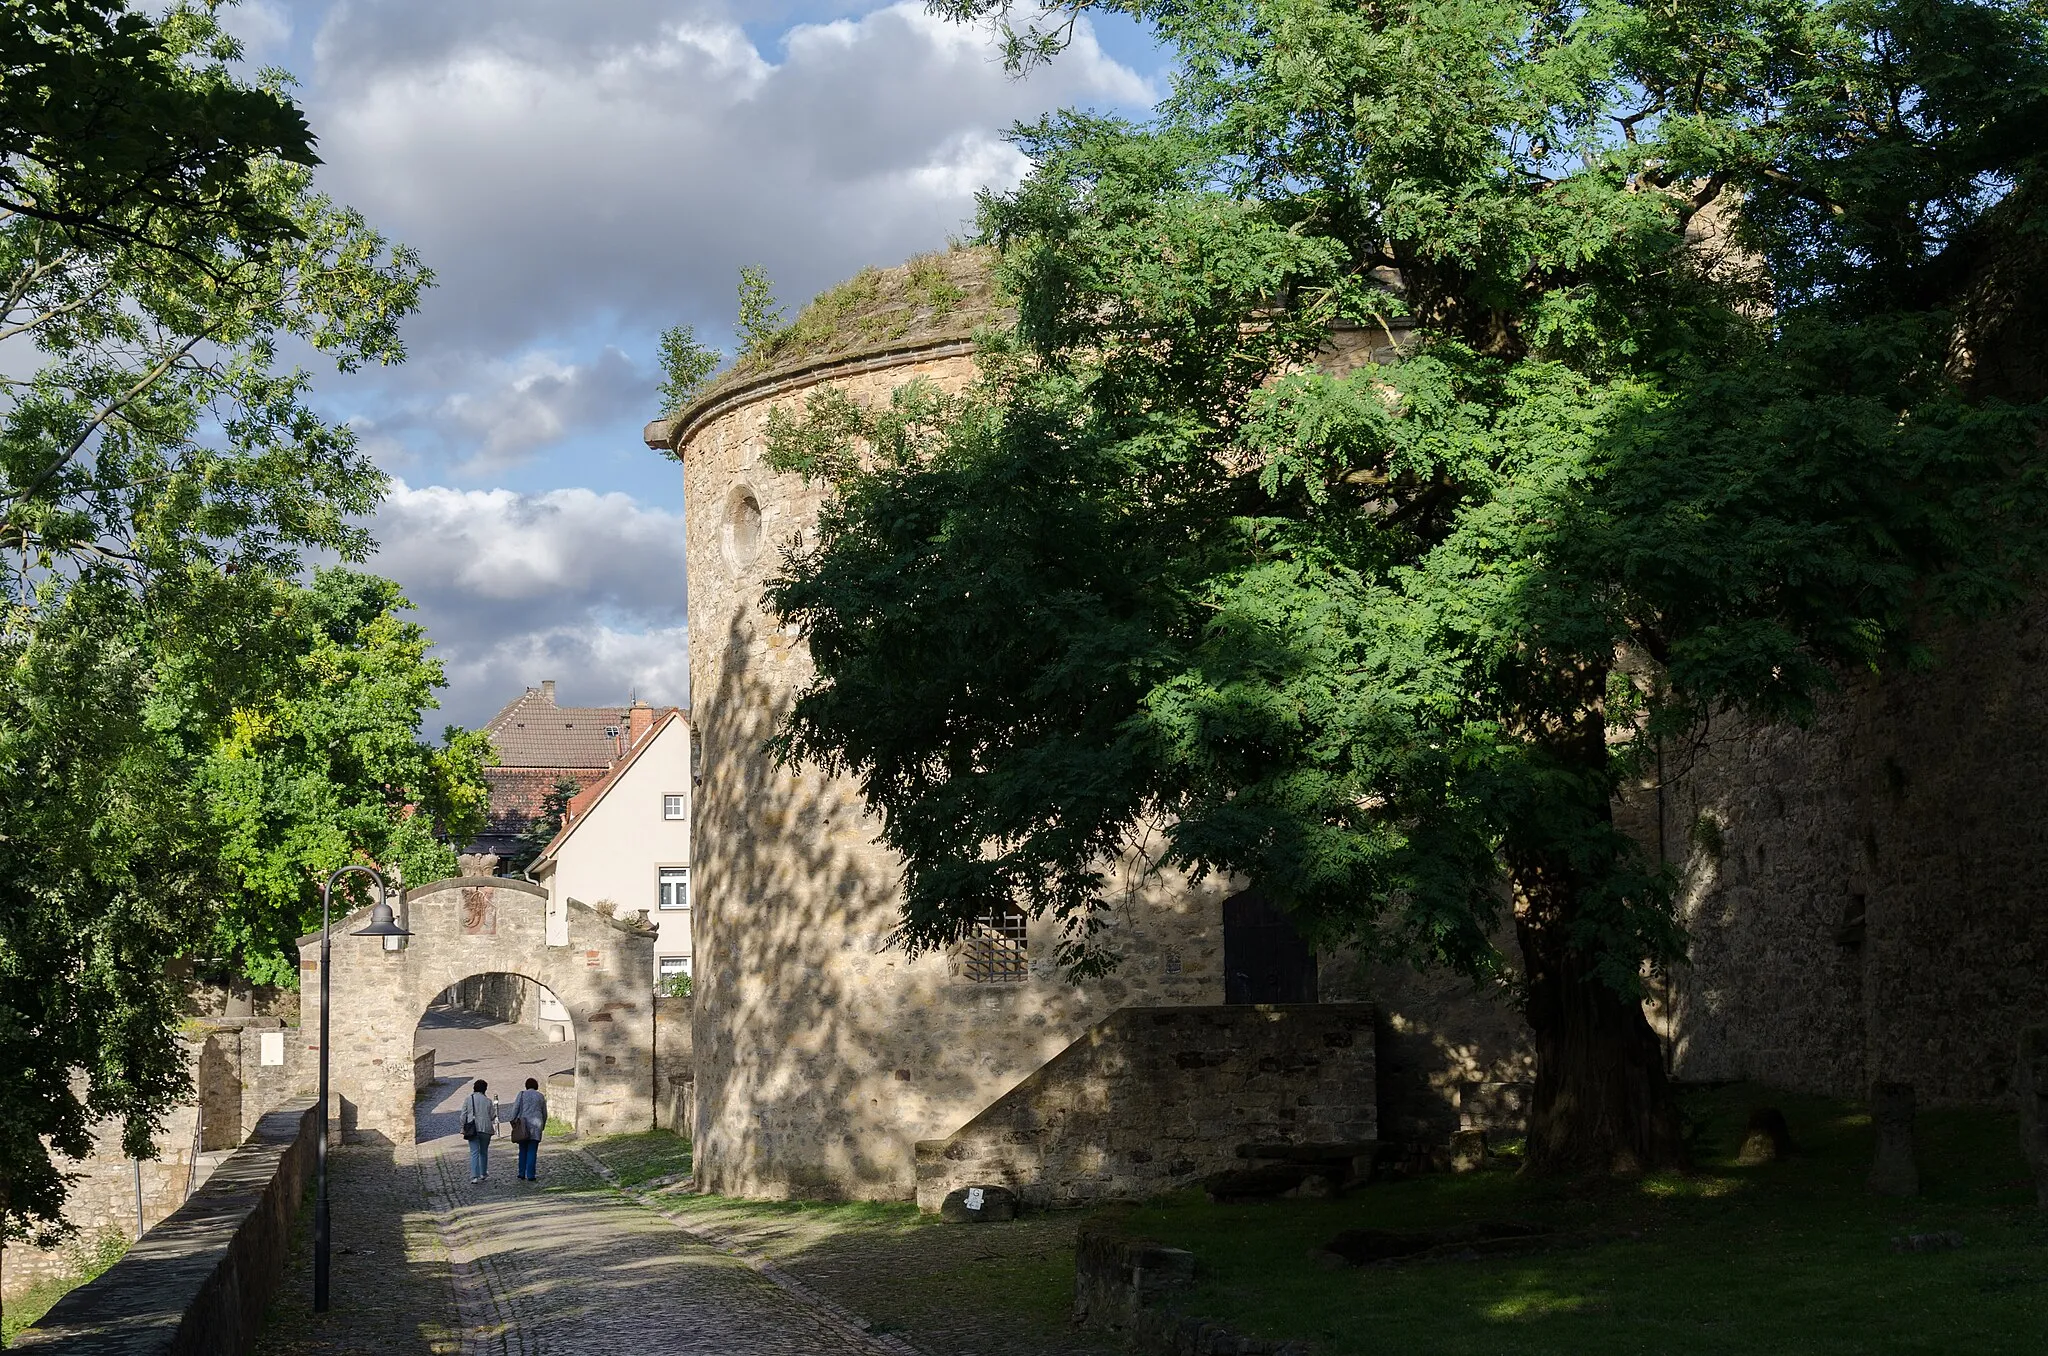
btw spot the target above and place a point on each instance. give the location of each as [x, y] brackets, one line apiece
[499, 1026]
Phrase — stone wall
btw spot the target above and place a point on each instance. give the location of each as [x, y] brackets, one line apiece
[485, 925]
[675, 1065]
[823, 1052]
[199, 1281]
[232, 1089]
[1863, 896]
[1152, 1099]
[1451, 1055]
[1866, 897]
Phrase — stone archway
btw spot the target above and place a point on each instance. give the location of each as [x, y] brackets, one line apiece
[464, 927]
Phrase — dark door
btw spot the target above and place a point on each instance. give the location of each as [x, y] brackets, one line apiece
[1264, 958]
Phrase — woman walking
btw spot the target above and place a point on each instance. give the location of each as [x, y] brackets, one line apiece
[479, 1124]
[529, 1118]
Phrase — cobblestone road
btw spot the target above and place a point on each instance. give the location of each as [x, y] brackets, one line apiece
[564, 1267]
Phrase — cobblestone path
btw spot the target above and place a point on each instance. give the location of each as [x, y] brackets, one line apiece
[565, 1267]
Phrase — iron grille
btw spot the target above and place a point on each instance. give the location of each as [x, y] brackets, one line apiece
[994, 951]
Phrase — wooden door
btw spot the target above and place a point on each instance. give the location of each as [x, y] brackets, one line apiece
[1264, 959]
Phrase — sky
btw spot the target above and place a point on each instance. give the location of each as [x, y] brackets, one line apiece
[581, 176]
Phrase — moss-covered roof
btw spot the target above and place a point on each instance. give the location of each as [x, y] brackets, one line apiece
[934, 298]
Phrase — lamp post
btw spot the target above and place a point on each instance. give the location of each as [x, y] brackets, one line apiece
[381, 925]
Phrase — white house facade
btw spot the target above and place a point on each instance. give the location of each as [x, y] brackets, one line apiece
[626, 840]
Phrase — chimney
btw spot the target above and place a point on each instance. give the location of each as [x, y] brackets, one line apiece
[639, 720]
[547, 691]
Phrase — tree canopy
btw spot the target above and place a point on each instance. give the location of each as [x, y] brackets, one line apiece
[163, 479]
[1690, 398]
[328, 765]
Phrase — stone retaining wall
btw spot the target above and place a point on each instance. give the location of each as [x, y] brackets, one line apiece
[1150, 1099]
[199, 1281]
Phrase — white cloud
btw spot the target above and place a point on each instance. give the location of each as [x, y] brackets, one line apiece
[556, 161]
[581, 176]
[582, 587]
[261, 26]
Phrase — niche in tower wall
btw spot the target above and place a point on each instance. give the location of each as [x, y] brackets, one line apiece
[1264, 959]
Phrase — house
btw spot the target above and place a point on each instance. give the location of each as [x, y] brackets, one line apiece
[626, 838]
[539, 745]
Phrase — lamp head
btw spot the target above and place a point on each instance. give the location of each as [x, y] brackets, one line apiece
[381, 924]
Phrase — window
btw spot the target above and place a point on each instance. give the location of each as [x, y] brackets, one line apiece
[671, 807]
[675, 887]
[667, 967]
[994, 949]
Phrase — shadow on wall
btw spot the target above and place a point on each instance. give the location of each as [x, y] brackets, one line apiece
[800, 928]
[823, 1053]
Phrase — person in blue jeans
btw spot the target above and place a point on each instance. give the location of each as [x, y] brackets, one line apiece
[529, 1119]
[479, 1124]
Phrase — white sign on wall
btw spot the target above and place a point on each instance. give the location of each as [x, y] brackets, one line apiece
[270, 1046]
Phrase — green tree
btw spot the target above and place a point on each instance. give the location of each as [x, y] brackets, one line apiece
[760, 322]
[327, 769]
[1709, 396]
[685, 366]
[542, 828]
[161, 479]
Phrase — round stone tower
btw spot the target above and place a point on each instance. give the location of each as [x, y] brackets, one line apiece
[823, 1052]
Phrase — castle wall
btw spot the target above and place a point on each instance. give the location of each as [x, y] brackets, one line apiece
[1869, 903]
[822, 1052]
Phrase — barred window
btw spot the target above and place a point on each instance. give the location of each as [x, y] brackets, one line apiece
[994, 950]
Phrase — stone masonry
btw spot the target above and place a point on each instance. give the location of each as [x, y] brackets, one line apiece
[477, 925]
[1151, 1099]
[823, 1052]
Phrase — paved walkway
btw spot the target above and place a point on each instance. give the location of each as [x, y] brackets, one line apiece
[564, 1266]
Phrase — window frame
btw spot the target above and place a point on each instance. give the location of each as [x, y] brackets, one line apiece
[683, 966]
[662, 880]
[682, 801]
[996, 949]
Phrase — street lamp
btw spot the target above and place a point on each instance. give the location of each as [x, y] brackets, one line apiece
[381, 925]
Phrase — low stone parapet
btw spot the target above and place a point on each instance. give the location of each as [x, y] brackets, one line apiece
[1150, 1100]
[198, 1282]
[423, 1071]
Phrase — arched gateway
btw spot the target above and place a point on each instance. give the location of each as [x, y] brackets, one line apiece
[477, 925]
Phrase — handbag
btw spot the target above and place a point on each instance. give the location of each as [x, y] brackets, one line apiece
[522, 1129]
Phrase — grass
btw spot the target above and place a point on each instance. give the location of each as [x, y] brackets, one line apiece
[29, 1307]
[639, 1159]
[945, 1287]
[1793, 1258]
[556, 1127]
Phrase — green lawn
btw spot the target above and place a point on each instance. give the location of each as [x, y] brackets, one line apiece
[34, 1302]
[1791, 1258]
[642, 1158]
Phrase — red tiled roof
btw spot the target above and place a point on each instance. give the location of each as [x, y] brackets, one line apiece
[534, 732]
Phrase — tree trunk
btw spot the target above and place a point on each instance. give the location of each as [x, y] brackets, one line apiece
[1602, 1101]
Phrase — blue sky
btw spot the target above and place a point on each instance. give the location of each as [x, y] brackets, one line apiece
[581, 176]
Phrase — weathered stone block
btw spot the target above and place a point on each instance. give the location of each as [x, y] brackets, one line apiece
[979, 1205]
[1766, 1138]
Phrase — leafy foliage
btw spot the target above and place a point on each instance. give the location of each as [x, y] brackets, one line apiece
[685, 366]
[1387, 638]
[328, 767]
[760, 320]
[162, 479]
[542, 828]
